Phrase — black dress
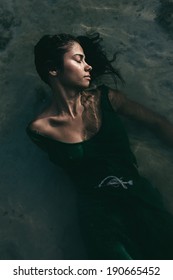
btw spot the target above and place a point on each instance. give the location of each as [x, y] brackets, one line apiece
[121, 215]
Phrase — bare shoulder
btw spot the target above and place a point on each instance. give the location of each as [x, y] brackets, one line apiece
[41, 122]
[38, 125]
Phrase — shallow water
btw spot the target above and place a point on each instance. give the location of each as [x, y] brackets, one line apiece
[34, 209]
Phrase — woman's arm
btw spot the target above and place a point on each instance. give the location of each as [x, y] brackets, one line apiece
[135, 111]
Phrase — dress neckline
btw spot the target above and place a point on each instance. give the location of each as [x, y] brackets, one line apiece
[75, 143]
[84, 141]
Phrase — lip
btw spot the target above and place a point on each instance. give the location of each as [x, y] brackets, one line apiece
[87, 77]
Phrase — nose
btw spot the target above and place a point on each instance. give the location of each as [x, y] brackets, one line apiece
[88, 67]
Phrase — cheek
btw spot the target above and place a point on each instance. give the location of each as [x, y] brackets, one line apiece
[72, 68]
[73, 72]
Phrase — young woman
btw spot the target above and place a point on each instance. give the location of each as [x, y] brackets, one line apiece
[120, 213]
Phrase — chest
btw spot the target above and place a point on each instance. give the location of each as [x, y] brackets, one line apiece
[109, 141]
[71, 130]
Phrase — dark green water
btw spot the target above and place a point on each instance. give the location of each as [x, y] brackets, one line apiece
[37, 203]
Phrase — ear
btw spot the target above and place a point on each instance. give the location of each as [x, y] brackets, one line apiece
[51, 68]
[53, 73]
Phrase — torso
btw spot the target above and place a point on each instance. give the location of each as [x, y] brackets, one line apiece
[65, 129]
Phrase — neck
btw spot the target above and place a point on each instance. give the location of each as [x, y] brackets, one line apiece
[66, 101]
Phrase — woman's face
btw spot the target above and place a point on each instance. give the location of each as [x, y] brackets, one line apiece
[76, 72]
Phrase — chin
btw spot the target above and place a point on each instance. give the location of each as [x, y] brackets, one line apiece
[87, 85]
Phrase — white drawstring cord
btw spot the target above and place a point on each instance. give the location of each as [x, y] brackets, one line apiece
[115, 182]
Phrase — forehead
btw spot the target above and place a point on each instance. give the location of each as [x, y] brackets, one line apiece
[75, 48]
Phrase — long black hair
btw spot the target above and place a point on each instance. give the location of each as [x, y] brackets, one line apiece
[49, 53]
[97, 58]
[50, 50]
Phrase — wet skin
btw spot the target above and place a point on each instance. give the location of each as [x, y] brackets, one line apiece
[76, 71]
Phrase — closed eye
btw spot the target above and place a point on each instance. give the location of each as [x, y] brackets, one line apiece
[79, 58]
[78, 61]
